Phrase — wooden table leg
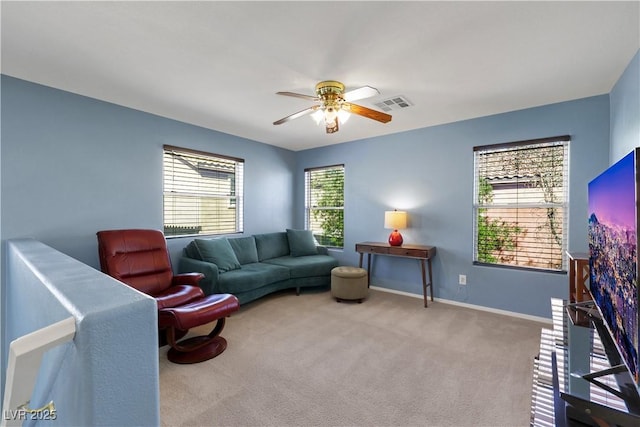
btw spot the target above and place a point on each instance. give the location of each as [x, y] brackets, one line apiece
[424, 283]
[430, 278]
[368, 270]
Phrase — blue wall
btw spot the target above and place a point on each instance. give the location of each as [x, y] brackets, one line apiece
[625, 111]
[429, 173]
[73, 165]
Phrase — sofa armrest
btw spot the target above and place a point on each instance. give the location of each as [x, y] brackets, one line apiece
[322, 250]
[209, 283]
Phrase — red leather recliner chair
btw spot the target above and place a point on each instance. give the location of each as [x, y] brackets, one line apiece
[139, 258]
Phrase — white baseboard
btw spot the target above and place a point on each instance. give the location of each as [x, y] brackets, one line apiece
[470, 306]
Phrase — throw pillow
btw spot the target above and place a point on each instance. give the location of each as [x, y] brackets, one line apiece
[245, 249]
[192, 251]
[301, 242]
[218, 252]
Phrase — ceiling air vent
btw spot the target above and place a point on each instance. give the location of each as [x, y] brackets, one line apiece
[394, 103]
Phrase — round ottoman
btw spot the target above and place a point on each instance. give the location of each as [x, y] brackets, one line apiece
[349, 283]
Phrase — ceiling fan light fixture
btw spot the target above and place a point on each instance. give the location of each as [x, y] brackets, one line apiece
[343, 116]
[318, 116]
[328, 116]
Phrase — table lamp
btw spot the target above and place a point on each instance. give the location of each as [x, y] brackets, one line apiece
[395, 219]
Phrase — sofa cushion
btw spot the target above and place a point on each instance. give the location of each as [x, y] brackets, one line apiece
[252, 276]
[308, 266]
[218, 252]
[245, 249]
[272, 245]
[301, 242]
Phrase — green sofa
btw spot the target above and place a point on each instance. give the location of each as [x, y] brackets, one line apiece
[254, 266]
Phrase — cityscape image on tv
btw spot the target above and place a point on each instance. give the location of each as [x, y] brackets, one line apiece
[613, 255]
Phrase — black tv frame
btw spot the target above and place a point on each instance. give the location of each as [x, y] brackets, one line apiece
[614, 194]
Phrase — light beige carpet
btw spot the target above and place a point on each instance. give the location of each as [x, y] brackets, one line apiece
[309, 361]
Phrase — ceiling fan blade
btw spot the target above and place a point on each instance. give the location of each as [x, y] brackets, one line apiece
[299, 95]
[360, 93]
[296, 115]
[366, 112]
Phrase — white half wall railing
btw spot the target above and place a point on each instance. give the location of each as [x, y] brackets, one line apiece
[81, 342]
[25, 357]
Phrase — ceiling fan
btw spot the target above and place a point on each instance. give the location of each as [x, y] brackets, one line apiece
[334, 105]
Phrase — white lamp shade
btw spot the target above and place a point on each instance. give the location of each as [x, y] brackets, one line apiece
[395, 219]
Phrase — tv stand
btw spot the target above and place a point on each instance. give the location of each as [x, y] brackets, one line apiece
[611, 397]
[583, 410]
[594, 414]
[593, 379]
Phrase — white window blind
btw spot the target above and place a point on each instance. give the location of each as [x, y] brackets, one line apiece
[521, 203]
[324, 204]
[203, 193]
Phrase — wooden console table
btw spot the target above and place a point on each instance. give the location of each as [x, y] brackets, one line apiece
[419, 252]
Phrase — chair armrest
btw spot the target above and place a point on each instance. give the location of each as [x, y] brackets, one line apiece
[209, 283]
[187, 279]
[322, 250]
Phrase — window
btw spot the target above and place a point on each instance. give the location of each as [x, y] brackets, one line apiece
[202, 193]
[324, 204]
[521, 204]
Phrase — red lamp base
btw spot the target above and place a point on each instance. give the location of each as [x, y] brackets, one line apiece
[395, 238]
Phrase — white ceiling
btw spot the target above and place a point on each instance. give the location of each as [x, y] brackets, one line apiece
[219, 64]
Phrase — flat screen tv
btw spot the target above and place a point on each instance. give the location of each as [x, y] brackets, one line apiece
[613, 260]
